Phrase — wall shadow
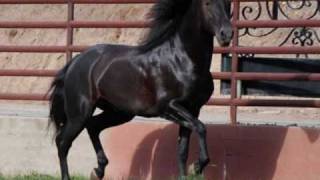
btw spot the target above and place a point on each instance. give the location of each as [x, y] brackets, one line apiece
[237, 152]
[157, 155]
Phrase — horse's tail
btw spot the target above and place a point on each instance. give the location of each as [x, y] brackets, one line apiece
[57, 114]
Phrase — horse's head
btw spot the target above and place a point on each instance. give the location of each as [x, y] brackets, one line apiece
[217, 19]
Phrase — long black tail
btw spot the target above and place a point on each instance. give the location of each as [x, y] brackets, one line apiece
[57, 114]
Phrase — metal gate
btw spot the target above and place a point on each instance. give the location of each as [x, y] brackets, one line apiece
[235, 50]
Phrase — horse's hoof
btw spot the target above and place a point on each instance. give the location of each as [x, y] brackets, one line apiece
[192, 169]
[93, 176]
[182, 178]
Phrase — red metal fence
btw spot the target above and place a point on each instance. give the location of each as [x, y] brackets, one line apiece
[234, 49]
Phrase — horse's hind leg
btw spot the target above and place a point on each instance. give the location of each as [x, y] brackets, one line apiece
[76, 116]
[64, 140]
[94, 126]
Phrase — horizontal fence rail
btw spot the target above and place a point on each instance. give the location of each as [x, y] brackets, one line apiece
[24, 97]
[218, 50]
[39, 73]
[145, 24]
[277, 23]
[251, 76]
[74, 24]
[97, 1]
[264, 102]
[234, 50]
[76, 1]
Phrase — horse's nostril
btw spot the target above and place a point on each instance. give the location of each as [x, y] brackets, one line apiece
[222, 34]
[226, 33]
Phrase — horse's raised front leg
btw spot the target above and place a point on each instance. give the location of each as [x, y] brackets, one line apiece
[180, 115]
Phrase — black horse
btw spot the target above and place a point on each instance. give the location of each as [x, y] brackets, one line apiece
[167, 75]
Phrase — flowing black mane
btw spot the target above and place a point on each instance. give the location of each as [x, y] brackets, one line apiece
[166, 16]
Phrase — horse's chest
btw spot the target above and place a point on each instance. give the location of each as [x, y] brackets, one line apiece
[179, 77]
[185, 79]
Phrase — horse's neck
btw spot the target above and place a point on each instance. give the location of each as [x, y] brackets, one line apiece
[197, 42]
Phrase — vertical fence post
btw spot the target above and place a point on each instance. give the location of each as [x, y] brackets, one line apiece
[234, 66]
[69, 29]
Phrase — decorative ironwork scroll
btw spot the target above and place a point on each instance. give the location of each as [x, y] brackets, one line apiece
[281, 10]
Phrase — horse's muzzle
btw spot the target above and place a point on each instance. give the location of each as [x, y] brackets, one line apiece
[224, 36]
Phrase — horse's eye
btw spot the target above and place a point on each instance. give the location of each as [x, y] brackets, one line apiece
[207, 3]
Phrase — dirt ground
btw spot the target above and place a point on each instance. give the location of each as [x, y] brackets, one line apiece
[27, 146]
